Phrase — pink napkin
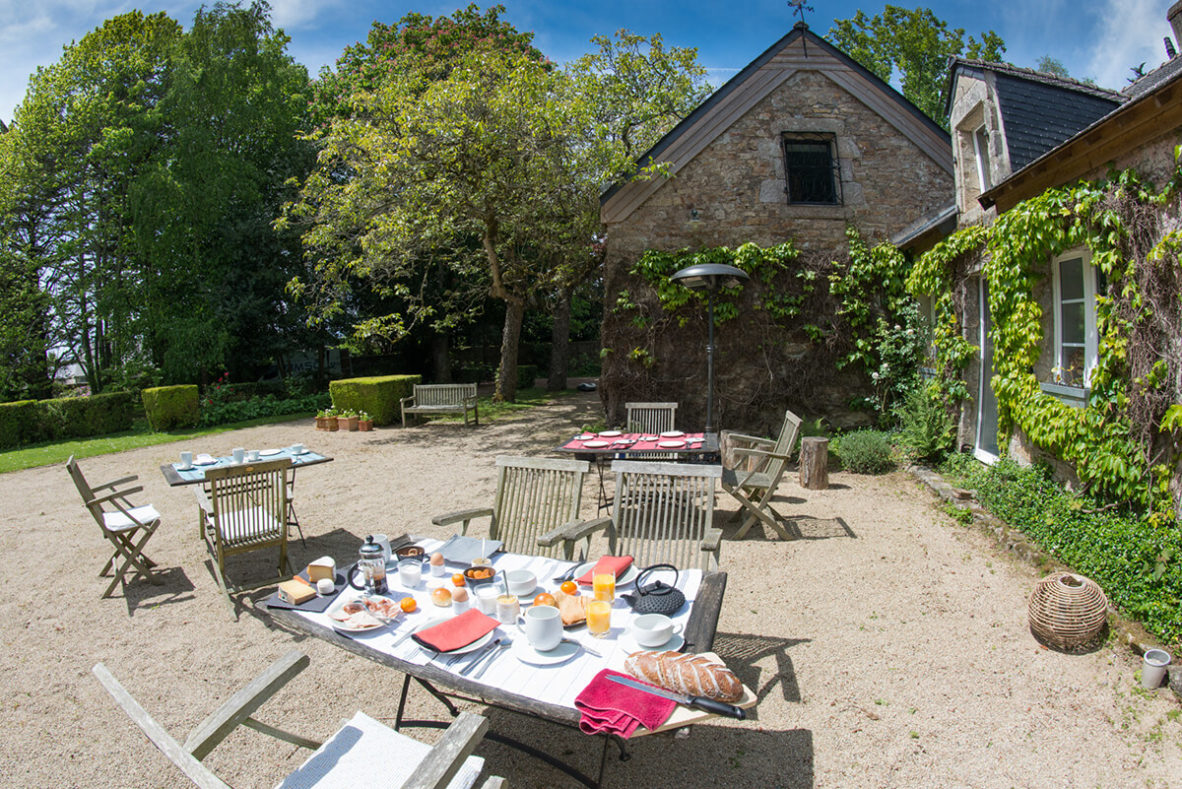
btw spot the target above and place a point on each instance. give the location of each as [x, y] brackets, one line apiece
[607, 564]
[458, 632]
[610, 708]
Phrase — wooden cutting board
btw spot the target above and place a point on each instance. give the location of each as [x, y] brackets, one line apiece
[684, 716]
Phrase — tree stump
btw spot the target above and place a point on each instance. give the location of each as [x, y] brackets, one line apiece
[814, 463]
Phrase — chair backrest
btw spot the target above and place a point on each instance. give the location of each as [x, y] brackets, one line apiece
[650, 417]
[443, 394]
[784, 444]
[84, 489]
[250, 501]
[662, 511]
[535, 496]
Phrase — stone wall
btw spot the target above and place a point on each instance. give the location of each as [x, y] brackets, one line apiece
[732, 192]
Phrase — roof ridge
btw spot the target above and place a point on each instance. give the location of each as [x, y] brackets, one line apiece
[1041, 76]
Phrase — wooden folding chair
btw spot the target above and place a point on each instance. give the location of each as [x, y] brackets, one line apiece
[126, 526]
[535, 497]
[245, 510]
[752, 470]
[363, 752]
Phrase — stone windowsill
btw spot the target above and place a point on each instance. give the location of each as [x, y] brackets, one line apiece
[1074, 396]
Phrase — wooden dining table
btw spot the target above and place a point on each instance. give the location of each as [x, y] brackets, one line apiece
[507, 683]
[176, 476]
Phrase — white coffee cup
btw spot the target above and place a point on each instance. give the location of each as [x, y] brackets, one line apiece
[252, 455]
[383, 541]
[238, 453]
[543, 627]
[653, 630]
[486, 599]
[186, 460]
[297, 449]
[521, 582]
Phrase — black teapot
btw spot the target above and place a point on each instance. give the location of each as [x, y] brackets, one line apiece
[658, 597]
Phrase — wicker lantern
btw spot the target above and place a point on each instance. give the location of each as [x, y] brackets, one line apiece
[1067, 611]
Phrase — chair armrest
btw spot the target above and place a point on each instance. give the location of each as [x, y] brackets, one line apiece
[447, 755]
[462, 515]
[712, 541]
[749, 439]
[203, 501]
[116, 494]
[116, 482]
[574, 530]
[406, 400]
[239, 707]
[763, 453]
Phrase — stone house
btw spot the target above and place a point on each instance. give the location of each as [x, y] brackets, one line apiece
[800, 145]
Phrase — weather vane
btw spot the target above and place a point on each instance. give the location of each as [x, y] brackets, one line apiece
[799, 7]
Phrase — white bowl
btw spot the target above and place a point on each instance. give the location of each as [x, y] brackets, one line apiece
[521, 582]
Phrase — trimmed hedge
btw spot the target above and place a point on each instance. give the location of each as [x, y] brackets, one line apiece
[172, 406]
[378, 395]
[31, 421]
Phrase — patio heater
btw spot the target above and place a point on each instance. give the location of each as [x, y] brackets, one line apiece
[709, 277]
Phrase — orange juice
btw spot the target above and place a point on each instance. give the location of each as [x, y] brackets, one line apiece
[604, 586]
[599, 618]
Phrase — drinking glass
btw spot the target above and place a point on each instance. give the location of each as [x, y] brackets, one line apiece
[599, 618]
[410, 572]
[486, 600]
[604, 586]
[508, 609]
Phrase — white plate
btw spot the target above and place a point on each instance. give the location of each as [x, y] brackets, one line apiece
[205, 460]
[266, 453]
[477, 644]
[184, 468]
[344, 628]
[628, 577]
[463, 550]
[629, 645]
[672, 434]
[527, 654]
[584, 437]
[610, 434]
[671, 444]
[596, 444]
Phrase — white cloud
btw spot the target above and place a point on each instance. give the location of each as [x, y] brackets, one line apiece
[292, 14]
[1129, 33]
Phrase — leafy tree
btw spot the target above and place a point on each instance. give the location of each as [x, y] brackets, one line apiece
[1054, 66]
[913, 45]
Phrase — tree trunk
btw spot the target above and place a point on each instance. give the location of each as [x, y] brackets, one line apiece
[560, 342]
[510, 339]
[441, 358]
[814, 463]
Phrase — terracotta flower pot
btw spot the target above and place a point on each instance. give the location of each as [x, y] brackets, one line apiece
[320, 423]
[348, 424]
[331, 423]
[364, 424]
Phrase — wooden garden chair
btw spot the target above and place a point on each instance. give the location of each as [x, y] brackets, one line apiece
[662, 513]
[126, 526]
[535, 498]
[752, 470]
[245, 510]
[363, 752]
[650, 417]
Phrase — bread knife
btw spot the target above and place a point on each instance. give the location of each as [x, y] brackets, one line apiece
[697, 702]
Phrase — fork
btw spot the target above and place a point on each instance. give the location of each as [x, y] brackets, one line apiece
[491, 658]
[480, 656]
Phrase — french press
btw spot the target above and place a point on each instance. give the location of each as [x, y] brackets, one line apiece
[372, 565]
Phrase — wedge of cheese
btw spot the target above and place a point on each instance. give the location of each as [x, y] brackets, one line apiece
[324, 567]
[294, 592]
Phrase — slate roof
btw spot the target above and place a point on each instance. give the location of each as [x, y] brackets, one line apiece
[1154, 79]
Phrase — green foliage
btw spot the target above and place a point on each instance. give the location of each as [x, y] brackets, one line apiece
[1135, 560]
[962, 515]
[31, 421]
[169, 407]
[526, 375]
[927, 432]
[377, 395]
[864, 451]
[912, 47]
[15, 421]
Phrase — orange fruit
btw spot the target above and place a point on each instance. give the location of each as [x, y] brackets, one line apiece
[458, 579]
[545, 599]
[570, 587]
[408, 604]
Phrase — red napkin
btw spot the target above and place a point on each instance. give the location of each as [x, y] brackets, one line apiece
[611, 708]
[458, 632]
[607, 564]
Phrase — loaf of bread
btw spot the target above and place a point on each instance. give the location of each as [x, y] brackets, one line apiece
[572, 608]
[694, 675]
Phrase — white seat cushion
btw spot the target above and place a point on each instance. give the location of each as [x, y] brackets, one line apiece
[117, 521]
[245, 524]
[366, 753]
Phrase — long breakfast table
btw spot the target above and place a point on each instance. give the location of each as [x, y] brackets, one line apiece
[506, 680]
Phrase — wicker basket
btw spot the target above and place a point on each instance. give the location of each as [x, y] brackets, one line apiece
[1067, 611]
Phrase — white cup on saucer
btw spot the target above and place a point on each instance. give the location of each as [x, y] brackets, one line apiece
[383, 541]
[653, 630]
[297, 449]
[238, 454]
[186, 460]
[543, 627]
[252, 455]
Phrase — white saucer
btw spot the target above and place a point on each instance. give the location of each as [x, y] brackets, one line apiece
[266, 453]
[629, 645]
[207, 461]
[672, 434]
[185, 468]
[527, 654]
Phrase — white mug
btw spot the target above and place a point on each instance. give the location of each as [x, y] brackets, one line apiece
[383, 541]
[543, 627]
[238, 453]
[186, 460]
[252, 455]
[653, 630]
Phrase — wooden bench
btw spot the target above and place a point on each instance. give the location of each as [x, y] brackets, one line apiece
[435, 399]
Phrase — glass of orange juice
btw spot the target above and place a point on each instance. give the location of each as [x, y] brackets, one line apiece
[604, 586]
[599, 618]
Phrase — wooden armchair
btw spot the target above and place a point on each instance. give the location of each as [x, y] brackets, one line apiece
[126, 526]
[361, 751]
[245, 510]
[752, 470]
[662, 513]
[535, 498]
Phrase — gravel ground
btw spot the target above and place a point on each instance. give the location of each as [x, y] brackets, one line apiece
[888, 646]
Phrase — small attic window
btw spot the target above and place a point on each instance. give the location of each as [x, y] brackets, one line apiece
[811, 171]
[981, 149]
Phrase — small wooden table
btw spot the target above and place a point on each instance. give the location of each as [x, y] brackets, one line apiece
[196, 475]
[445, 685]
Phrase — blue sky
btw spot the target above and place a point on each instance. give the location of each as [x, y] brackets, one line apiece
[1099, 39]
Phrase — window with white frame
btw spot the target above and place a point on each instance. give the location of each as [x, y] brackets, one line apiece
[981, 149]
[1075, 319]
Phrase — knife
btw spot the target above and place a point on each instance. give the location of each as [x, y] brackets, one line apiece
[697, 702]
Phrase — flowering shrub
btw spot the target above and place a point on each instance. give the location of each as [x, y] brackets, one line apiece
[219, 407]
